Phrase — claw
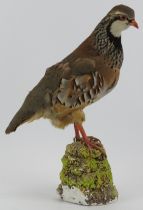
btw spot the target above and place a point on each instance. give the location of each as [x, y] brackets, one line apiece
[91, 142]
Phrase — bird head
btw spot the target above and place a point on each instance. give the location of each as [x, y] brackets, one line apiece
[121, 17]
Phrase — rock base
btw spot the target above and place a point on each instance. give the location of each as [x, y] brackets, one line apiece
[86, 176]
[75, 195]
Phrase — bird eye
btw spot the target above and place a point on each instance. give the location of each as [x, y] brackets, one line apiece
[123, 17]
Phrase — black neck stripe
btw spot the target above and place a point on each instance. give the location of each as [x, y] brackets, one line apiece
[115, 40]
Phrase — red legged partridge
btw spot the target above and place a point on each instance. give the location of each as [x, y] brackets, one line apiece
[83, 77]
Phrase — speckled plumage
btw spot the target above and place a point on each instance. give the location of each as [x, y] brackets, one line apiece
[83, 77]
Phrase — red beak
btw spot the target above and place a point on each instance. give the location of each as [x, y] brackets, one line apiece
[134, 23]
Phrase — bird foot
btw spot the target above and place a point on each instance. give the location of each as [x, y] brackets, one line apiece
[92, 143]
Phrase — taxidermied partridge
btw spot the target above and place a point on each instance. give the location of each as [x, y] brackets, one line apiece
[83, 77]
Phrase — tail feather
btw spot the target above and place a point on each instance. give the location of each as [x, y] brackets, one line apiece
[33, 104]
[19, 118]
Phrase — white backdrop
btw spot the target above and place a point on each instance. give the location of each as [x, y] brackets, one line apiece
[34, 35]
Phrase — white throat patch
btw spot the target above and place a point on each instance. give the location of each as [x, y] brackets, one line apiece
[118, 26]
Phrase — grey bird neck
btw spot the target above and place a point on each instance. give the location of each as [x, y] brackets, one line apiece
[108, 45]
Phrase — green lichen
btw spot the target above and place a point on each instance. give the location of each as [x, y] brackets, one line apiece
[89, 171]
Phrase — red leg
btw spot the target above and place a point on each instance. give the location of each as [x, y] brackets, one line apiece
[77, 134]
[87, 139]
[84, 136]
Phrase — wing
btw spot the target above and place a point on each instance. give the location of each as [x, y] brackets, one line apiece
[81, 86]
[68, 84]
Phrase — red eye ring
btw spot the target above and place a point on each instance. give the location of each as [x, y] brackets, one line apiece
[122, 17]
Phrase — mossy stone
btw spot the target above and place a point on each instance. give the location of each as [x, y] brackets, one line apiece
[89, 172]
